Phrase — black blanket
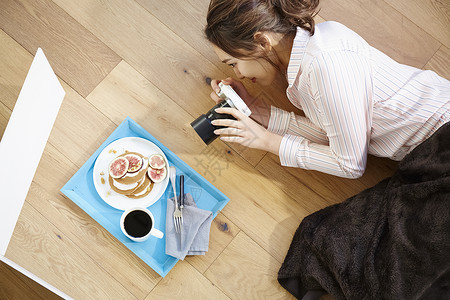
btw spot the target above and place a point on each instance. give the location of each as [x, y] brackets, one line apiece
[391, 241]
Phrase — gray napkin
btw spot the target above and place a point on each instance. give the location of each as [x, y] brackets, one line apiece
[194, 231]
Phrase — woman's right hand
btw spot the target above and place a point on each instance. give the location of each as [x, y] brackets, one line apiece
[260, 110]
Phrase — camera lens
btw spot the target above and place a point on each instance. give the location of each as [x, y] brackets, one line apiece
[202, 125]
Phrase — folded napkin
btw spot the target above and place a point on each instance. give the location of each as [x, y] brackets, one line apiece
[194, 231]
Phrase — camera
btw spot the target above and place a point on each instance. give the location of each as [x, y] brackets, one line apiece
[202, 125]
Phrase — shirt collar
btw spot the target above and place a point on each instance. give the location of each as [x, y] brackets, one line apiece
[298, 50]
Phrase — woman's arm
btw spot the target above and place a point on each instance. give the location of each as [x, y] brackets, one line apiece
[341, 87]
[282, 122]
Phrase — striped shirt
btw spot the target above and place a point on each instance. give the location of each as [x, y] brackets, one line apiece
[357, 101]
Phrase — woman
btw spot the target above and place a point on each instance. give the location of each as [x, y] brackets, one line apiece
[357, 101]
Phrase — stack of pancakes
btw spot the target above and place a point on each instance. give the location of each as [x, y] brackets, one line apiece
[133, 184]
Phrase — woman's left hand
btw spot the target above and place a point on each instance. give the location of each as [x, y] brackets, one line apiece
[246, 131]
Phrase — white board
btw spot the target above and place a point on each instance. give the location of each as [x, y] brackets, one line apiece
[24, 141]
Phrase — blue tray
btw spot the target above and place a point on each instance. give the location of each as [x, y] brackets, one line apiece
[80, 189]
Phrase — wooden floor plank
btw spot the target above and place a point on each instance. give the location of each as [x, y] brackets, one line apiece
[315, 190]
[222, 233]
[76, 55]
[440, 62]
[259, 281]
[15, 285]
[79, 128]
[431, 15]
[295, 184]
[14, 67]
[50, 255]
[5, 114]
[163, 57]
[187, 19]
[185, 282]
[384, 28]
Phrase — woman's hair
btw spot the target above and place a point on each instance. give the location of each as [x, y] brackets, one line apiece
[232, 24]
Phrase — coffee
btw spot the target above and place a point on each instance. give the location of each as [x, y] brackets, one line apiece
[137, 223]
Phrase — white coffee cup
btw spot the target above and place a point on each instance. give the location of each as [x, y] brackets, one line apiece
[137, 224]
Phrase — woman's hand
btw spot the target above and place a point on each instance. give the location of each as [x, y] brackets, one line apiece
[260, 110]
[238, 87]
[245, 131]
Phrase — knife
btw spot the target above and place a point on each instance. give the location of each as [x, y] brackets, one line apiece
[181, 191]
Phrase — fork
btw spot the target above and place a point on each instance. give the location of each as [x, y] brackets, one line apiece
[177, 217]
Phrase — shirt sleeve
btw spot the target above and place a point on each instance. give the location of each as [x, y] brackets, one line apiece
[282, 122]
[341, 87]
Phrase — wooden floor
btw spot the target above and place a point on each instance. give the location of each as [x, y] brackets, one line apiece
[148, 59]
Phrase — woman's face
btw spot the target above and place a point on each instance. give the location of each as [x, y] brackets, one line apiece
[258, 70]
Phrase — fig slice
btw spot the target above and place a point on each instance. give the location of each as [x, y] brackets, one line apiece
[135, 162]
[156, 161]
[118, 167]
[157, 175]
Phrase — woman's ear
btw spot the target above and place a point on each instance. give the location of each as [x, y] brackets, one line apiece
[263, 40]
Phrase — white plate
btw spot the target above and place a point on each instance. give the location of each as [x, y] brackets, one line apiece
[131, 144]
